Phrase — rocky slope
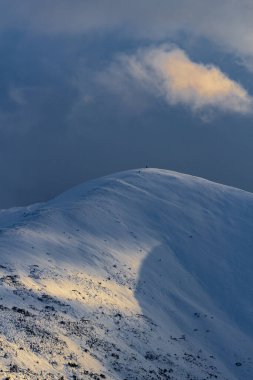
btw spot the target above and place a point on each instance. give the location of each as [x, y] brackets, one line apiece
[145, 274]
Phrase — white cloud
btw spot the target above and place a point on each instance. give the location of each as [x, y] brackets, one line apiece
[169, 72]
[17, 95]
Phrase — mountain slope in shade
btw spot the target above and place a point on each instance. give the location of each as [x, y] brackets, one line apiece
[145, 274]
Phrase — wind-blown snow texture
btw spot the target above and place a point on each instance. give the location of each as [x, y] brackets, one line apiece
[145, 274]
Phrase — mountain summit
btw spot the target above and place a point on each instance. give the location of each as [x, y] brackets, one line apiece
[144, 274]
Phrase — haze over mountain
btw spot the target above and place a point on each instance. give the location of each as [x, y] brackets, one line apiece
[144, 274]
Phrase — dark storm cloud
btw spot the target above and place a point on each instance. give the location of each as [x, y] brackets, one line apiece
[226, 22]
[60, 122]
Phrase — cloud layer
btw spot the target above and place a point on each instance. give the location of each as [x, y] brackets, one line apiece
[228, 23]
[170, 73]
[60, 126]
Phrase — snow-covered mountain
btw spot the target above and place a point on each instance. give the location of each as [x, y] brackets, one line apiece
[145, 274]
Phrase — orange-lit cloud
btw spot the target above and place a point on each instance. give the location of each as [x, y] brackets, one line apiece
[171, 73]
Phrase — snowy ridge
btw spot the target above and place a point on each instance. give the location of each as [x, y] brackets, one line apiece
[145, 274]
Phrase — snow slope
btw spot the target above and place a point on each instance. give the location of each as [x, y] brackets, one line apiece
[145, 274]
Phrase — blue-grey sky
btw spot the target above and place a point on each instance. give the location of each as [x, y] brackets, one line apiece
[90, 87]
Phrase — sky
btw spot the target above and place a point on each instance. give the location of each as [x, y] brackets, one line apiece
[91, 87]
